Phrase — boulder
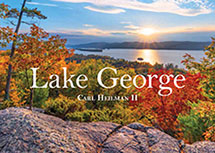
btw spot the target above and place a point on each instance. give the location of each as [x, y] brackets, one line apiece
[22, 131]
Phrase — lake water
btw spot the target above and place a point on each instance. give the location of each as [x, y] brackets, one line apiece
[149, 55]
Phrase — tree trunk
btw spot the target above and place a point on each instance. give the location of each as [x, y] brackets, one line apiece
[31, 99]
[7, 89]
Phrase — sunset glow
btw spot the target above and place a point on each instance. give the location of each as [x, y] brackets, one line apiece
[147, 31]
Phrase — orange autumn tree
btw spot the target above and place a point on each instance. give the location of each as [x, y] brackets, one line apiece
[14, 17]
[4, 9]
[3, 63]
[38, 49]
[6, 37]
[4, 60]
[162, 111]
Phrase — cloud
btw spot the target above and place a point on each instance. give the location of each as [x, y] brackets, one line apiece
[188, 29]
[104, 10]
[118, 33]
[42, 4]
[89, 32]
[131, 27]
[180, 7]
[133, 32]
[125, 22]
[92, 32]
[87, 25]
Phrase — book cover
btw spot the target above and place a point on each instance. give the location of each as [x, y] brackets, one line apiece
[101, 76]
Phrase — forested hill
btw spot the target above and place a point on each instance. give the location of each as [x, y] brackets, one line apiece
[170, 45]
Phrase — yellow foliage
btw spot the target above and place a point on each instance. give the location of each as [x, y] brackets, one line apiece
[3, 62]
[14, 96]
[210, 134]
[3, 67]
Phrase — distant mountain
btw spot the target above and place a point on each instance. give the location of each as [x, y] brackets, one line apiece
[170, 45]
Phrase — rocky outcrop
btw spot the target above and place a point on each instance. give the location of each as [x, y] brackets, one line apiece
[24, 131]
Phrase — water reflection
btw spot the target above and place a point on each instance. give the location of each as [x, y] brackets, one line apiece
[149, 55]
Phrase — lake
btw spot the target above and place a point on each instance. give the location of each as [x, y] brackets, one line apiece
[149, 55]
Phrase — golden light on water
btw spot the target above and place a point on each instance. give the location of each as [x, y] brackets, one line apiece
[149, 55]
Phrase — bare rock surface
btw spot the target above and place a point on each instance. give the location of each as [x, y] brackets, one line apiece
[23, 131]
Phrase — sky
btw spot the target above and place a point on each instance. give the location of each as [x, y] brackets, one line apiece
[85, 21]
